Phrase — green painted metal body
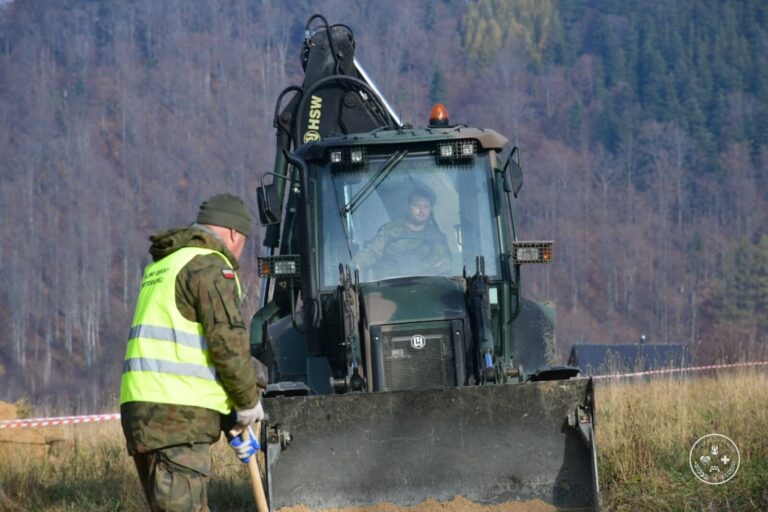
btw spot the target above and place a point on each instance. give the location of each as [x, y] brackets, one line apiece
[489, 444]
[520, 327]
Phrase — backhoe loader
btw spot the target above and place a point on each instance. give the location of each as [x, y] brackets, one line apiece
[405, 362]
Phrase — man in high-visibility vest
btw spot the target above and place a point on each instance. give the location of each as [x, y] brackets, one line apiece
[188, 373]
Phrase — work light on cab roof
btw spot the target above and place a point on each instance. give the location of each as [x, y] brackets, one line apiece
[349, 157]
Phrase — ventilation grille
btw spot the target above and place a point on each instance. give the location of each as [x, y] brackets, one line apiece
[418, 356]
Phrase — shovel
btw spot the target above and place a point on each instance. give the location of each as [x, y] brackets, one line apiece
[253, 468]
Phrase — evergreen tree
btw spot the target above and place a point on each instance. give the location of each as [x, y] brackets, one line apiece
[575, 119]
[760, 285]
[438, 87]
[740, 299]
[533, 25]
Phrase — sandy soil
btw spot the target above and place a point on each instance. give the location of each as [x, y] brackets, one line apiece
[457, 504]
[33, 442]
[7, 411]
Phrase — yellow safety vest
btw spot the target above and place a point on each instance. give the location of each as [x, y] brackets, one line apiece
[167, 358]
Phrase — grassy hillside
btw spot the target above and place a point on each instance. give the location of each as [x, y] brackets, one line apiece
[645, 432]
[643, 129]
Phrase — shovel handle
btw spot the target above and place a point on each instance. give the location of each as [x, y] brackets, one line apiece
[253, 468]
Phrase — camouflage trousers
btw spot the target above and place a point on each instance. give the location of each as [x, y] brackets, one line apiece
[175, 479]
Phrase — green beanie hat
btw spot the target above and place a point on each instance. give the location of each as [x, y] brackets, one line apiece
[227, 211]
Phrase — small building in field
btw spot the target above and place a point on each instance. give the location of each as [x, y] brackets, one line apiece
[601, 359]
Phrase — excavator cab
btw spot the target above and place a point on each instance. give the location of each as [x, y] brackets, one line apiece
[450, 226]
[405, 362]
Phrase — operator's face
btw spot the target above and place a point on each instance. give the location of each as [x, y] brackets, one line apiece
[418, 212]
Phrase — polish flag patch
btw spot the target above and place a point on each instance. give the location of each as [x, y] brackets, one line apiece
[228, 273]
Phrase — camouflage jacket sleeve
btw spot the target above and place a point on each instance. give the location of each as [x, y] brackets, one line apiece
[205, 295]
[373, 252]
[434, 256]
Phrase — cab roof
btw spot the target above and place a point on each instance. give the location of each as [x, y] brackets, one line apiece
[486, 139]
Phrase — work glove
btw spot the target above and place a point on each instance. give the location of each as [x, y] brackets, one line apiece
[245, 449]
[245, 417]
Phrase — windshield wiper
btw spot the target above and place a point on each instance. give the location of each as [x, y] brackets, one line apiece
[343, 224]
[372, 183]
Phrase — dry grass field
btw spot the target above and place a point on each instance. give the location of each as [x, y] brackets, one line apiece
[645, 431]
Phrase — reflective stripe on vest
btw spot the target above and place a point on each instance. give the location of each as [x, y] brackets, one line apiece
[142, 364]
[168, 334]
[167, 360]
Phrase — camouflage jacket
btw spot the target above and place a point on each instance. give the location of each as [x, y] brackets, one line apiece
[399, 250]
[203, 295]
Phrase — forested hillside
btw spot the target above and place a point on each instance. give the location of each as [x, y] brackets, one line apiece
[643, 128]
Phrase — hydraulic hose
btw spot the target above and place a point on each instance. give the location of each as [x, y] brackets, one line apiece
[308, 279]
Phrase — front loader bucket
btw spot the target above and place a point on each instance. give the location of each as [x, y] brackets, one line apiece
[489, 444]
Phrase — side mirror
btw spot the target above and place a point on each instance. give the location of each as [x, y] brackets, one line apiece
[514, 171]
[269, 204]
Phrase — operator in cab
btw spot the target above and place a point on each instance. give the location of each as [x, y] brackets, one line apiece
[412, 245]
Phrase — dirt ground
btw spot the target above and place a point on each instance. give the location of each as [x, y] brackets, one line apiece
[7, 411]
[34, 442]
[457, 504]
